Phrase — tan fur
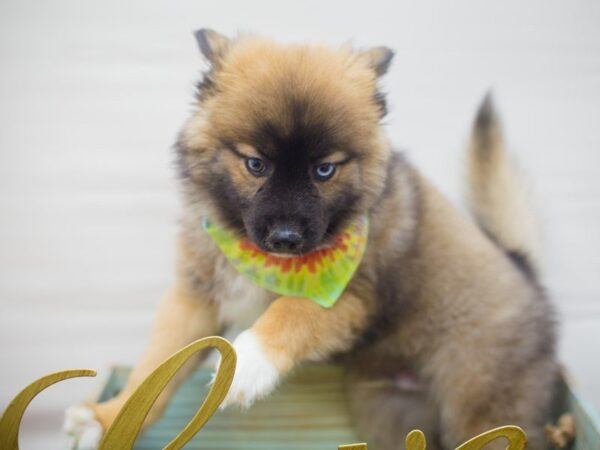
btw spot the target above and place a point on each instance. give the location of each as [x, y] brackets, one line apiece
[433, 296]
[498, 194]
[236, 168]
[469, 326]
[294, 330]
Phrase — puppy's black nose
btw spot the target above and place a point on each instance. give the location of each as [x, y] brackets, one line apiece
[284, 238]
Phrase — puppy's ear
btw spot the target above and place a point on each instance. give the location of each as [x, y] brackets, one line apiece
[213, 45]
[378, 59]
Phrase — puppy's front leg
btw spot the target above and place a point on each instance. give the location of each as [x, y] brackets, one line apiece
[181, 318]
[292, 330]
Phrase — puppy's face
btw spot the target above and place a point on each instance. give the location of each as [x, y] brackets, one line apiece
[286, 146]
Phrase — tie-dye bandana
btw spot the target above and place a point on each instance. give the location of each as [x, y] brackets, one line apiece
[321, 275]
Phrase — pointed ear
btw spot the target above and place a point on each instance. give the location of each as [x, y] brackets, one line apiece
[213, 45]
[378, 59]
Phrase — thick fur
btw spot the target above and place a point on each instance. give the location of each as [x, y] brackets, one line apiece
[439, 328]
[499, 197]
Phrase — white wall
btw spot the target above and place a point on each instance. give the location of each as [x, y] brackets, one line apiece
[92, 95]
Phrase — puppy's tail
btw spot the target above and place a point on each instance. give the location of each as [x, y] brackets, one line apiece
[498, 195]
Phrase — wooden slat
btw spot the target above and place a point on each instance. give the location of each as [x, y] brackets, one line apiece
[308, 412]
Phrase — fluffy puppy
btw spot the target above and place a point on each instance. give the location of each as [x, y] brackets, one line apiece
[444, 326]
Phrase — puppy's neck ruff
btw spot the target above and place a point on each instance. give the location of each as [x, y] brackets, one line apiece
[320, 275]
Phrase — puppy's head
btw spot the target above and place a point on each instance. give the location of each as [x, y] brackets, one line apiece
[285, 146]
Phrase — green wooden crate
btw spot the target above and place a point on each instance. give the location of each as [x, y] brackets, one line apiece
[309, 412]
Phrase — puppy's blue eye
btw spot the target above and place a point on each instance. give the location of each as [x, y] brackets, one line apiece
[324, 171]
[256, 166]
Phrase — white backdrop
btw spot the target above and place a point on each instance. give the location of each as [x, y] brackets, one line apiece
[92, 95]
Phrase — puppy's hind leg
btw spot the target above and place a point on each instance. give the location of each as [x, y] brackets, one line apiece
[474, 400]
[384, 413]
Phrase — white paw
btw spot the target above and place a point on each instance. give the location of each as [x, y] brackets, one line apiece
[80, 422]
[255, 375]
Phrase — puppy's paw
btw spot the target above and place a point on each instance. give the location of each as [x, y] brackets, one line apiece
[255, 374]
[80, 422]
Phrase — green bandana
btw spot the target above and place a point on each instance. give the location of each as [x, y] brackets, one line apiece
[321, 275]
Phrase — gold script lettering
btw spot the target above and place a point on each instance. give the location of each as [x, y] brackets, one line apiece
[515, 435]
[123, 432]
[11, 419]
[415, 440]
[126, 427]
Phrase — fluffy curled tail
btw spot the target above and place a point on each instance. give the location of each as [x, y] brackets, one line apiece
[498, 195]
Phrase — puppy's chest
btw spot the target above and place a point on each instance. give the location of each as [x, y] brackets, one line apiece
[241, 302]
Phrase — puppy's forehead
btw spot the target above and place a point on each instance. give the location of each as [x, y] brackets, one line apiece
[299, 133]
[294, 99]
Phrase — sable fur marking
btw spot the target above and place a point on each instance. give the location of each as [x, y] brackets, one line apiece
[435, 295]
[498, 195]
